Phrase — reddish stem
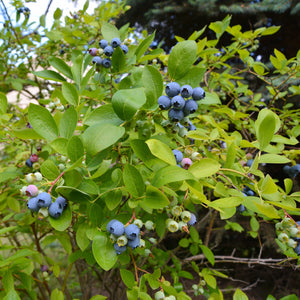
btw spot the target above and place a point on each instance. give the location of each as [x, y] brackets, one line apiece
[53, 183]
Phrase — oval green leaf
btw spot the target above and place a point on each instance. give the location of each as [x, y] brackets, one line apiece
[162, 151]
[204, 168]
[104, 251]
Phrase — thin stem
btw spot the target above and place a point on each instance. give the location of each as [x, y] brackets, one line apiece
[53, 183]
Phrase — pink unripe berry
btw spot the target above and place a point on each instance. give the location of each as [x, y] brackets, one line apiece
[93, 51]
[186, 163]
[34, 158]
[32, 190]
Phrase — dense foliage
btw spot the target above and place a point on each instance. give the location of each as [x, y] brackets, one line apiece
[143, 205]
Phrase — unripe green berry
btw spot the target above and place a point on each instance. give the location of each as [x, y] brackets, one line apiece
[153, 241]
[138, 223]
[292, 243]
[142, 243]
[147, 252]
[122, 240]
[51, 105]
[195, 156]
[38, 176]
[171, 297]
[149, 225]
[279, 226]
[30, 178]
[203, 282]
[112, 238]
[287, 222]
[61, 166]
[294, 231]
[36, 166]
[23, 190]
[172, 225]
[176, 211]
[195, 287]
[159, 295]
[283, 237]
[181, 225]
[185, 216]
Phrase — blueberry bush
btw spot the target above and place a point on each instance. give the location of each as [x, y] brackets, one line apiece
[130, 168]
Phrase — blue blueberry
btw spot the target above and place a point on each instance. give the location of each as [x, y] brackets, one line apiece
[119, 249]
[190, 107]
[248, 191]
[115, 227]
[186, 91]
[124, 48]
[172, 89]
[28, 163]
[295, 170]
[32, 204]
[178, 102]
[132, 231]
[44, 199]
[297, 249]
[61, 201]
[193, 220]
[106, 63]
[198, 93]
[191, 126]
[115, 42]
[103, 44]
[178, 155]
[241, 208]
[164, 102]
[175, 115]
[108, 50]
[97, 60]
[133, 243]
[55, 210]
[250, 162]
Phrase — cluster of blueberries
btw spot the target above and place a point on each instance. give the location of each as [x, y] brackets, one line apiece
[43, 200]
[292, 171]
[181, 161]
[107, 50]
[288, 232]
[176, 101]
[24, 10]
[31, 160]
[187, 218]
[123, 236]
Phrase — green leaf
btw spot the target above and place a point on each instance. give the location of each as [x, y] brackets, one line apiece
[162, 151]
[3, 103]
[273, 159]
[49, 170]
[155, 198]
[98, 297]
[133, 181]
[267, 210]
[99, 137]
[75, 148]
[42, 122]
[143, 46]
[68, 123]
[64, 221]
[73, 194]
[126, 102]
[193, 77]
[181, 58]
[76, 70]
[104, 166]
[112, 199]
[153, 83]
[208, 254]
[57, 295]
[57, 14]
[103, 114]
[171, 174]
[61, 66]
[210, 99]
[81, 237]
[26, 134]
[12, 295]
[288, 185]
[270, 30]
[109, 31]
[128, 278]
[49, 75]
[70, 93]
[265, 126]
[60, 145]
[104, 251]
[239, 295]
[204, 168]
[226, 202]
[118, 60]
[268, 185]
